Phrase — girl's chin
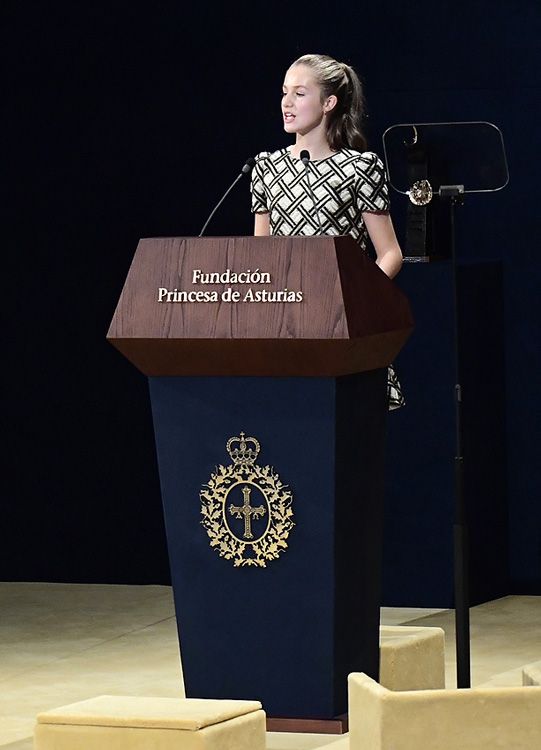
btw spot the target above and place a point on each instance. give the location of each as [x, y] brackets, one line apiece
[299, 129]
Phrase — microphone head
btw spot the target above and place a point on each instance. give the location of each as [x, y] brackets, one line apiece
[248, 166]
[305, 157]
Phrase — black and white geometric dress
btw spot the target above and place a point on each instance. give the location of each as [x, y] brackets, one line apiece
[342, 187]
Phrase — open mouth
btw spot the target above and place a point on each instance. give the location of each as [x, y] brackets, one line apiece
[288, 117]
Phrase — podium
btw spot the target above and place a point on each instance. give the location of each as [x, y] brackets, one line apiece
[266, 359]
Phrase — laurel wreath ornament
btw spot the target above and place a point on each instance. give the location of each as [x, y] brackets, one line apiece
[214, 508]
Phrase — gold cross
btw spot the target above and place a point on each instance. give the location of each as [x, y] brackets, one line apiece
[247, 511]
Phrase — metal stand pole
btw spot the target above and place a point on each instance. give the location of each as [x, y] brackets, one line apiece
[461, 575]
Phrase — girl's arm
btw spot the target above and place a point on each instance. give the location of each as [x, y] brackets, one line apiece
[388, 252]
[262, 225]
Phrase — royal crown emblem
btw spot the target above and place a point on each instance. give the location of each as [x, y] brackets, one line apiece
[246, 508]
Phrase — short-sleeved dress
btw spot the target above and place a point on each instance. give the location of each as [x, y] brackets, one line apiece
[343, 187]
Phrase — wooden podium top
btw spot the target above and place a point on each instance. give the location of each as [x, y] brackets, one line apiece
[276, 306]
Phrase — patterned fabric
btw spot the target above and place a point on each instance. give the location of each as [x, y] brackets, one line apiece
[341, 188]
[395, 397]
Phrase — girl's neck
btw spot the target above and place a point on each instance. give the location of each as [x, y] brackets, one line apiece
[315, 143]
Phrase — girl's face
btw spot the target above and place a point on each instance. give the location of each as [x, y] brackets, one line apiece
[302, 107]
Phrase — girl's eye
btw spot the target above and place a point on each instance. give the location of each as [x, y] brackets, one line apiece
[299, 93]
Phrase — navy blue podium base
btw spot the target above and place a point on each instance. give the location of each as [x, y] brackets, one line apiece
[289, 633]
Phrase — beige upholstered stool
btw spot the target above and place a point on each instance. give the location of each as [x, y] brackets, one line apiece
[133, 723]
[508, 718]
[412, 658]
[531, 674]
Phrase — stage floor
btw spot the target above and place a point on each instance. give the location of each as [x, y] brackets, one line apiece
[61, 643]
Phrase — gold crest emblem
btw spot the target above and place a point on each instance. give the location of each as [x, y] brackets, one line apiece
[246, 508]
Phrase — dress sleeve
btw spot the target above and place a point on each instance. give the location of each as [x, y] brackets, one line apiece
[372, 188]
[257, 185]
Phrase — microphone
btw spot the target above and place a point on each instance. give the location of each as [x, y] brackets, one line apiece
[305, 158]
[246, 169]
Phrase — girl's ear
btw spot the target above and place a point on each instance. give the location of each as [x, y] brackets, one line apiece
[330, 103]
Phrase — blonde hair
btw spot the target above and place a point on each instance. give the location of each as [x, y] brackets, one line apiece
[344, 120]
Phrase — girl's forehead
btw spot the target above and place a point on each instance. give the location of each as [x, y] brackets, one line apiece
[299, 75]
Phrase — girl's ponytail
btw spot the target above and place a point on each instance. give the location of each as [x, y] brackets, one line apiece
[344, 128]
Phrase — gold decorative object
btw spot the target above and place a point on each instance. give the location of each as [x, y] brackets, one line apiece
[420, 193]
[268, 520]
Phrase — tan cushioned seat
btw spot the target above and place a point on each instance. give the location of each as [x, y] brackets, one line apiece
[112, 722]
[412, 658]
[152, 713]
[475, 719]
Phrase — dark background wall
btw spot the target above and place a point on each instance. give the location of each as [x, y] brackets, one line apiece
[128, 120]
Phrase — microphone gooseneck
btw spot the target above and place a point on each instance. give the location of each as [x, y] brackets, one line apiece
[246, 169]
[305, 158]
